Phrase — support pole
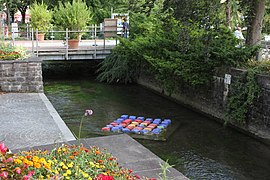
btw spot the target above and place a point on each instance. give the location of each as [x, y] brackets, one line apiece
[66, 54]
[95, 42]
[37, 41]
[32, 38]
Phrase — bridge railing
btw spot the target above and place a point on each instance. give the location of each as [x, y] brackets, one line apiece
[92, 38]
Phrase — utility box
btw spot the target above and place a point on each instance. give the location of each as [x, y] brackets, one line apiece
[110, 27]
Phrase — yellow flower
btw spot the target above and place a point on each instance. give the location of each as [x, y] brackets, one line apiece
[47, 165]
[56, 172]
[70, 165]
[64, 167]
[27, 162]
[37, 165]
[92, 164]
[61, 164]
[17, 161]
[48, 176]
[50, 161]
[68, 172]
[21, 157]
[35, 159]
[90, 178]
[97, 165]
[42, 160]
[85, 175]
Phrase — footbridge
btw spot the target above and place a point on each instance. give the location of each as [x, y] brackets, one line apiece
[57, 50]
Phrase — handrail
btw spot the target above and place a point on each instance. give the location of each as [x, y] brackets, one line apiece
[93, 32]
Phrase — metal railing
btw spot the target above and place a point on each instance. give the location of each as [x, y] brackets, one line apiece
[93, 38]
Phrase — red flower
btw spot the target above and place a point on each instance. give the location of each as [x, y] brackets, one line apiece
[104, 177]
[137, 176]
[84, 149]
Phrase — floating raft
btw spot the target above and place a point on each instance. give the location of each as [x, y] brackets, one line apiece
[140, 127]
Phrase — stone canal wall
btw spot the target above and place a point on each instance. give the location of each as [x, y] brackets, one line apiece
[211, 100]
[21, 75]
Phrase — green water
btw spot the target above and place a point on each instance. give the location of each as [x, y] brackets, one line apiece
[200, 148]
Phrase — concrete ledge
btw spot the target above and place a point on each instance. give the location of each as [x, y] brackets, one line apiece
[66, 133]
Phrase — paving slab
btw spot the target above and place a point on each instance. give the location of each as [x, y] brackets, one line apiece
[29, 119]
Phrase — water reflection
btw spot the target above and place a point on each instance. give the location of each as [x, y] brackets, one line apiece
[200, 147]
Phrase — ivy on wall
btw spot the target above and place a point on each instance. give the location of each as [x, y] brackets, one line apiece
[244, 91]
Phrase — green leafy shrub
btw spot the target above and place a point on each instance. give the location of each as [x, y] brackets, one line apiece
[123, 65]
[73, 16]
[262, 67]
[40, 16]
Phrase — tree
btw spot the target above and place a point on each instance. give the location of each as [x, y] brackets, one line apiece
[102, 8]
[232, 13]
[10, 9]
[255, 15]
[22, 7]
[13, 5]
[266, 20]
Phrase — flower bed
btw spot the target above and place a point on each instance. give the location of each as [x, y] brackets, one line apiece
[64, 162]
[10, 52]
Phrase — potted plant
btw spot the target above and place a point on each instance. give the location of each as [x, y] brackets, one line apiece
[73, 16]
[40, 18]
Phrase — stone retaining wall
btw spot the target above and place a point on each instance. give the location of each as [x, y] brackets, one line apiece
[21, 75]
[211, 100]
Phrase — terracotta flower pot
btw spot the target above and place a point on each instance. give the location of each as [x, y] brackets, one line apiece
[73, 44]
[40, 37]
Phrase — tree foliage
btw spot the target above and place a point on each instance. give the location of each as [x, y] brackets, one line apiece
[178, 49]
[266, 23]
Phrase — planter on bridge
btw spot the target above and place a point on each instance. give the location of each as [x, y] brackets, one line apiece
[73, 44]
[40, 36]
[74, 17]
[40, 19]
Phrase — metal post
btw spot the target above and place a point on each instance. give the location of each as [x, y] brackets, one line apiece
[66, 54]
[95, 35]
[13, 38]
[32, 38]
[37, 41]
[92, 31]
[27, 31]
[104, 38]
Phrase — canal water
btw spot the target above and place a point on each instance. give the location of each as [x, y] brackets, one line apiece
[200, 148]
